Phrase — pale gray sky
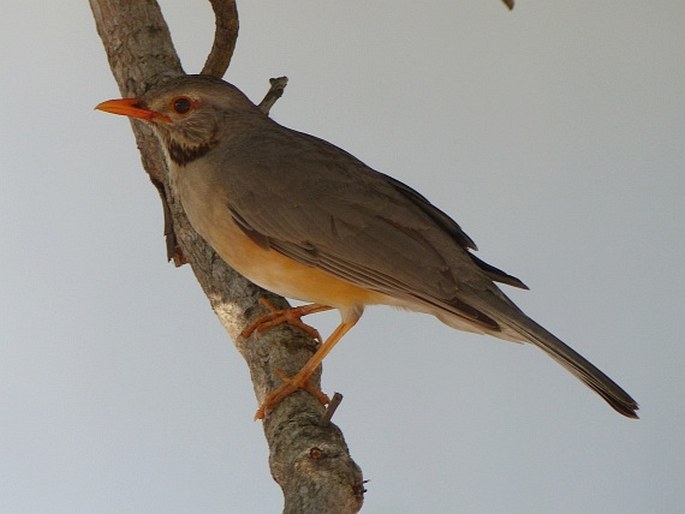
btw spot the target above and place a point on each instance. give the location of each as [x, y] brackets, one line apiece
[555, 134]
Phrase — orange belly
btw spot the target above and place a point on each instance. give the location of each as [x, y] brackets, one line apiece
[209, 214]
[282, 275]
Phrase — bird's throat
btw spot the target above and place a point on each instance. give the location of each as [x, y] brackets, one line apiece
[181, 154]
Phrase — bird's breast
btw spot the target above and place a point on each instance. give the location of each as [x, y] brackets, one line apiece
[208, 209]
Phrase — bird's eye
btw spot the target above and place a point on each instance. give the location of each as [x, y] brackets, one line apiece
[181, 104]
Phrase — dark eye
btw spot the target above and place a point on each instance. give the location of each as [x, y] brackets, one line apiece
[182, 104]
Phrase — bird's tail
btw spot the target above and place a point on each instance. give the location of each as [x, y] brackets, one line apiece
[490, 311]
[589, 374]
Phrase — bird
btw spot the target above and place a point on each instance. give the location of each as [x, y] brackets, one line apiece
[307, 220]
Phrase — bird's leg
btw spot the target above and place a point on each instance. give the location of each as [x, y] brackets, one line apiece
[300, 380]
[291, 315]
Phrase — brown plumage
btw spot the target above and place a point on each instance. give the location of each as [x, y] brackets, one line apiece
[305, 219]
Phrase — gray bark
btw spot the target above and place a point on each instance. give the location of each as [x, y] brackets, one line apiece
[308, 455]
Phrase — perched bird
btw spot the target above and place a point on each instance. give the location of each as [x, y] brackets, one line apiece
[307, 220]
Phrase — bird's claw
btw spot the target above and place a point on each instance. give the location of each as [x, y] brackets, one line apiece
[289, 386]
[291, 316]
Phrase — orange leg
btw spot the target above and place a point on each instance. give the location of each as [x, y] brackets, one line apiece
[292, 316]
[300, 380]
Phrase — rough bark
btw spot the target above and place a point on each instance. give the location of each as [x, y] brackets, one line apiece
[308, 455]
[225, 36]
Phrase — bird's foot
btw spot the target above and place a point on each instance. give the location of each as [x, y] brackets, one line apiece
[292, 316]
[290, 385]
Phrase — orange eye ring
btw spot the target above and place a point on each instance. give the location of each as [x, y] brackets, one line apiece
[182, 104]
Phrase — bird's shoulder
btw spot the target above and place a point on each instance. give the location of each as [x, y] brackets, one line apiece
[287, 169]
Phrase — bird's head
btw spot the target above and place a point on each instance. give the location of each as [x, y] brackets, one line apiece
[188, 113]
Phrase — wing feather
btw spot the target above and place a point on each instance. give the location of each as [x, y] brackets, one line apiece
[323, 207]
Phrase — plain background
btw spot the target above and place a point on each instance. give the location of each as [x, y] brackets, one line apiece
[555, 135]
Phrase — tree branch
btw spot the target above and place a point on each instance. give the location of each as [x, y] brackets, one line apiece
[308, 458]
[274, 93]
[225, 36]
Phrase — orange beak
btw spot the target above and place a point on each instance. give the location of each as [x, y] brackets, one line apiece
[131, 107]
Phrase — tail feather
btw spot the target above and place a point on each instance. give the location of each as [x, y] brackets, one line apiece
[578, 365]
[512, 324]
